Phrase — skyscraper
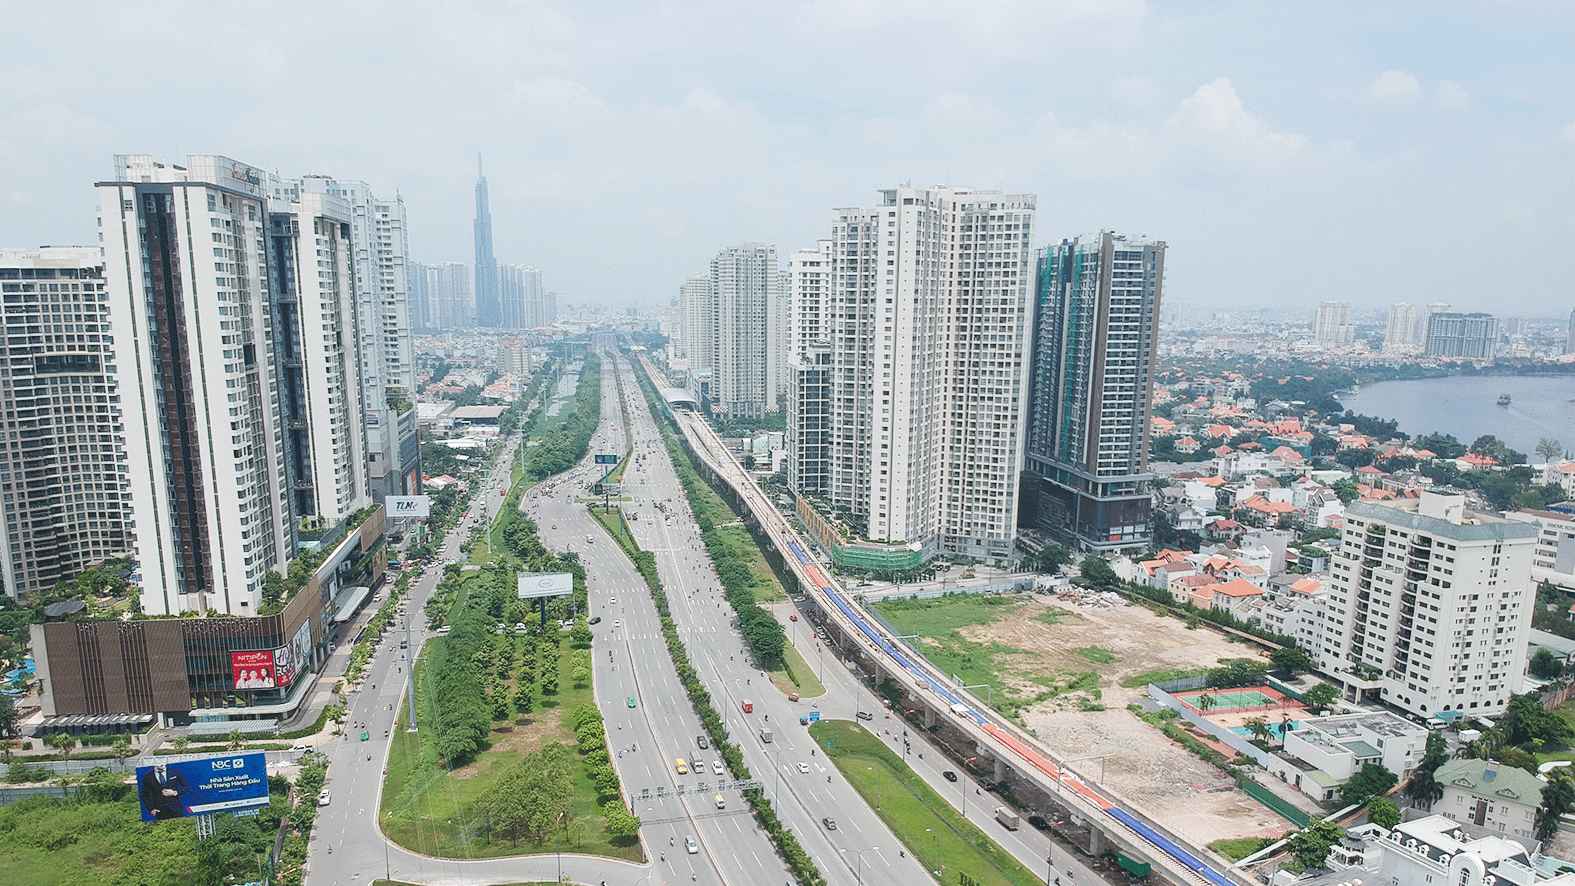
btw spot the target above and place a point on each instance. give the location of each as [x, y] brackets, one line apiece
[1400, 335]
[382, 279]
[200, 400]
[700, 332]
[923, 369]
[744, 281]
[63, 469]
[1471, 336]
[1334, 329]
[240, 388]
[1569, 335]
[1430, 605]
[519, 289]
[1096, 324]
[489, 311]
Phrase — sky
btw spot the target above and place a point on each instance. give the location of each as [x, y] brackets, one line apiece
[1287, 152]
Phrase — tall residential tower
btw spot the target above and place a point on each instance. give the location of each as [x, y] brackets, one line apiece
[926, 301]
[63, 465]
[1096, 329]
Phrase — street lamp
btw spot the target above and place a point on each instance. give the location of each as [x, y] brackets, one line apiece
[858, 871]
[937, 843]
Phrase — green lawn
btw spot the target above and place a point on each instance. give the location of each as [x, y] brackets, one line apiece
[807, 685]
[1096, 655]
[429, 810]
[767, 588]
[938, 622]
[1238, 849]
[928, 826]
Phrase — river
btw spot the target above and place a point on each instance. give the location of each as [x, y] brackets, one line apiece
[1465, 406]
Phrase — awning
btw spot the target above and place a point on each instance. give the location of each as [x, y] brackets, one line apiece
[348, 601]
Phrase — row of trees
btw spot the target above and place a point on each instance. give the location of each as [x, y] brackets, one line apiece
[566, 444]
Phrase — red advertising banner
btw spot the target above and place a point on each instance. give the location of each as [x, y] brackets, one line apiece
[253, 670]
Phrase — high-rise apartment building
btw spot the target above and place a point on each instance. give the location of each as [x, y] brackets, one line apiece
[1471, 336]
[1334, 329]
[489, 310]
[808, 403]
[524, 299]
[1096, 325]
[238, 373]
[549, 308]
[1430, 605]
[422, 283]
[382, 279]
[926, 329]
[1400, 334]
[744, 282]
[448, 287]
[62, 463]
[699, 302]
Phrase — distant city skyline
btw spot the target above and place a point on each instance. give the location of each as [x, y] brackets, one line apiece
[1358, 158]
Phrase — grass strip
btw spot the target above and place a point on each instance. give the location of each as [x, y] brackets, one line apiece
[934, 832]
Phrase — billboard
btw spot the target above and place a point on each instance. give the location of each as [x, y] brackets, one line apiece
[545, 584]
[253, 670]
[197, 787]
[606, 459]
[407, 506]
[271, 668]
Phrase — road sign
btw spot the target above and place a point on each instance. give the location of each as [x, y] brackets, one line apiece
[814, 716]
[606, 459]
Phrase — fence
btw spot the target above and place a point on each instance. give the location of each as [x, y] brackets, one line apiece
[1560, 697]
[17, 795]
[1233, 740]
[1272, 800]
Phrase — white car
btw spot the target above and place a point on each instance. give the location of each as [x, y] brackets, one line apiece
[803, 767]
[716, 767]
[324, 797]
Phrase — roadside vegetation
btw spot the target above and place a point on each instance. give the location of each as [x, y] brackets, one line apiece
[929, 827]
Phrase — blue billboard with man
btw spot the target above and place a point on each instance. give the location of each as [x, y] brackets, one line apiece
[197, 787]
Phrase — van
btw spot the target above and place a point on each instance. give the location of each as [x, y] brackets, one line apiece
[765, 735]
[681, 766]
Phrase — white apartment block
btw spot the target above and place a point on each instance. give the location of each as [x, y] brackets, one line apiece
[1401, 334]
[1553, 558]
[1334, 329]
[1437, 851]
[315, 333]
[926, 321]
[748, 335]
[699, 303]
[1339, 746]
[186, 270]
[62, 459]
[809, 291]
[1430, 605]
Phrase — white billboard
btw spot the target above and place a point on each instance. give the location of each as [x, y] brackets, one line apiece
[408, 505]
[545, 584]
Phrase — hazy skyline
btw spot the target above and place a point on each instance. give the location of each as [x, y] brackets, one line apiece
[1287, 153]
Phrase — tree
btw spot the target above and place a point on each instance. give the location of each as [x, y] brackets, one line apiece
[1423, 790]
[9, 722]
[1546, 664]
[1526, 718]
[1548, 449]
[1558, 795]
[179, 743]
[1291, 659]
[1050, 558]
[1206, 702]
[1371, 780]
[236, 740]
[121, 749]
[1098, 571]
[581, 634]
[620, 822]
[63, 742]
[1259, 726]
[1310, 846]
[1383, 812]
[1346, 490]
[1320, 697]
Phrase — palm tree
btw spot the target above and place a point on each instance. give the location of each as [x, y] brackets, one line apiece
[1423, 790]
[1206, 702]
[1259, 727]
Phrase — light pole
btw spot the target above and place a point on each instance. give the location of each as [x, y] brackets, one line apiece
[937, 845]
[858, 871]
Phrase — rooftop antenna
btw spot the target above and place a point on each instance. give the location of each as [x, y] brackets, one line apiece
[479, 172]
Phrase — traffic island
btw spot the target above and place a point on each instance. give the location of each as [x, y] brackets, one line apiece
[934, 832]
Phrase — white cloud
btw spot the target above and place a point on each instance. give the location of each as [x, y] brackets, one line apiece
[556, 101]
[1017, 22]
[1567, 133]
[1215, 113]
[958, 108]
[705, 101]
[1393, 88]
[1451, 96]
[1135, 90]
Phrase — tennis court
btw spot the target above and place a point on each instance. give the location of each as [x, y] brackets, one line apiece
[1250, 698]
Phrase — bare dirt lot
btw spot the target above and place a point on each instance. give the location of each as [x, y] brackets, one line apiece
[1142, 766]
